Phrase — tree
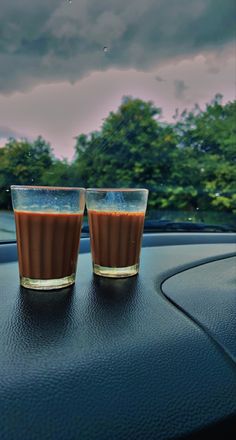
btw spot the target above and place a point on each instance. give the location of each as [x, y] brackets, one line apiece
[187, 165]
[209, 136]
[22, 163]
[60, 173]
[133, 148]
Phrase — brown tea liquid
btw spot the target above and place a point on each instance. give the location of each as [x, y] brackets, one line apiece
[47, 243]
[115, 237]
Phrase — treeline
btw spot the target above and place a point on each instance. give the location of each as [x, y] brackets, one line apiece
[189, 165]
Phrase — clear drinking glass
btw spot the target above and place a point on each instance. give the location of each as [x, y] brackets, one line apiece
[48, 225]
[116, 220]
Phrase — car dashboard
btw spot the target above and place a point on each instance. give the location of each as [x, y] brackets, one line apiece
[146, 357]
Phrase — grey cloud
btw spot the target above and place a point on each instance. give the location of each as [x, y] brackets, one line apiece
[6, 133]
[159, 78]
[48, 41]
[214, 70]
[180, 88]
[213, 64]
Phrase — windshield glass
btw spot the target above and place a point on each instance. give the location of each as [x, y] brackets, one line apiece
[122, 94]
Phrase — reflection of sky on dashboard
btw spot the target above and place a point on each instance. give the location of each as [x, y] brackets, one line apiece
[57, 80]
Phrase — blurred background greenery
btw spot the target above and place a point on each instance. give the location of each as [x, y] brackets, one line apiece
[188, 165]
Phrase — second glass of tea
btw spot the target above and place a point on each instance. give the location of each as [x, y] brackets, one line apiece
[48, 224]
[116, 221]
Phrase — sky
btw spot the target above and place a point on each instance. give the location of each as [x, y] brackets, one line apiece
[65, 64]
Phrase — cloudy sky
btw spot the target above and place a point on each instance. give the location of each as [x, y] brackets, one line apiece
[65, 64]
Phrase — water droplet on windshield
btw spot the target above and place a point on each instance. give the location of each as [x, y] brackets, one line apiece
[7, 190]
[105, 49]
[197, 209]
[69, 1]
[217, 194]
[189, 219]
[202, 170]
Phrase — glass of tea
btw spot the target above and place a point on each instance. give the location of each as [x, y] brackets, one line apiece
[48, 225]
[116, 220]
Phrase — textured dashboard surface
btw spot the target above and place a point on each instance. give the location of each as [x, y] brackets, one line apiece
[110, 359]
[207, 293]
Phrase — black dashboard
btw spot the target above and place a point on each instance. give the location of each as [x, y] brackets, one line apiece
[147, 357]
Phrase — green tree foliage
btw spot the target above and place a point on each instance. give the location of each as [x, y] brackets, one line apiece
[59, 173]
[187, 165]
[22, 163]
[208, 139]
[133, 148]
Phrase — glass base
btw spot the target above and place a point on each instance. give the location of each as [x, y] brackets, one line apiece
[115, 272]
[57, 283]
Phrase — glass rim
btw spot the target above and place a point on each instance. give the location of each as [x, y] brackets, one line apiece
[117, 190]
[49, 188]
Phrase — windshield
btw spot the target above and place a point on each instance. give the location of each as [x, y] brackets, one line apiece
[122, 94]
